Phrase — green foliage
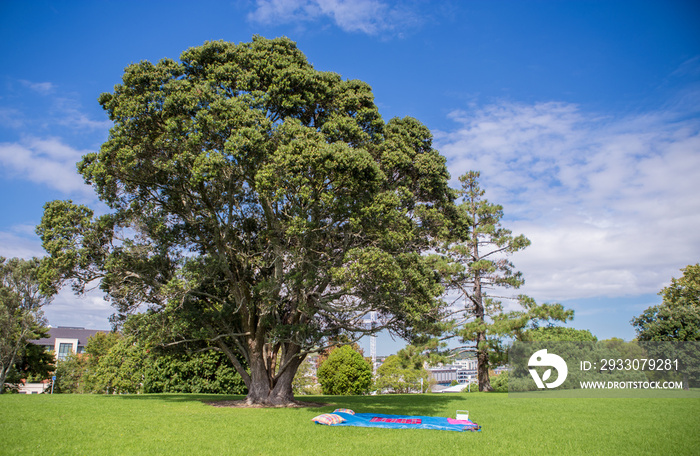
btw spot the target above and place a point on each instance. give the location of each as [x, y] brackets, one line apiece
[403, 372]
[557, 333]
[259, 202]
[122, 369]
[678, 317]
[669, 323]
[115, 364]
[21, 315]
[86, 372]
[395, 376]
[71, 373]
[206, 372]
[625, 350]
[499, 383]
[36, 364]
[345, 372]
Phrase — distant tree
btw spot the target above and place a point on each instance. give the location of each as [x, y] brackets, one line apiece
[480, 255]
[398, 375]
[305, 381]
[677, 318]
[35, 364]
[122, 369]
[98, 346]
[625, 350]
[21, 315]
[120, 364]
[262, 200]
[345, 372]
[70, 374]
[557, 333]
[78, 372]
[500, 382]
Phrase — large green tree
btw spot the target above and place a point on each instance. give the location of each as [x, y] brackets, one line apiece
[21, 315]
[262, 201]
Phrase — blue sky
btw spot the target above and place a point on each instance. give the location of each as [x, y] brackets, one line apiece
[582, 116]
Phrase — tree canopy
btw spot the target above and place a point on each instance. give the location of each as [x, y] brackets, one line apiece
[345, 371]
[261, 203]
[672, 329]
[678, 316]
[404, 372]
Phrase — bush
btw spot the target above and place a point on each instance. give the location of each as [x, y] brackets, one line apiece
[499, 383]
[345, 372]
[208, 372]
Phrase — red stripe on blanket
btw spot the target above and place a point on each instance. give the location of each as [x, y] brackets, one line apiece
[377, 419]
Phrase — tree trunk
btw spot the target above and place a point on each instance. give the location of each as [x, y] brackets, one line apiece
[268, 386]
[3, 375]
[482, 359]
[5, 370]
[482, 354]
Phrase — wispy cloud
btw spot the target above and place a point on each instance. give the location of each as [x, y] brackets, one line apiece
[365, 16]
[69, 114]
[42, 88]
[52, 108]
[610, 204]
[45, 161]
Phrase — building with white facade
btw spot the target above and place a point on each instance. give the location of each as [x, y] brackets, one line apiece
[63, 340]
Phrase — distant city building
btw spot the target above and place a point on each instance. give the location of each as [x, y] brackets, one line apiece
[463, 371]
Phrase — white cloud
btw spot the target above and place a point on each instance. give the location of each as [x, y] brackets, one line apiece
[611, 205]
[366, 16]
[20, 242]
[45, 161]
[88, 311]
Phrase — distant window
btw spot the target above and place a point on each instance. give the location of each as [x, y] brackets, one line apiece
[64, 350]
[81, 349]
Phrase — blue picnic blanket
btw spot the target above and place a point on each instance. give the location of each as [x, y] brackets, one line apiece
[405, 422]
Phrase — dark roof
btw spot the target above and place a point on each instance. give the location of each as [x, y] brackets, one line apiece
[67, 332]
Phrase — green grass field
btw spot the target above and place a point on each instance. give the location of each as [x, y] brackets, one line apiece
[185, 424]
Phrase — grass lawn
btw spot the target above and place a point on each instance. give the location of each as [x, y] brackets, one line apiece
[184, 424]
